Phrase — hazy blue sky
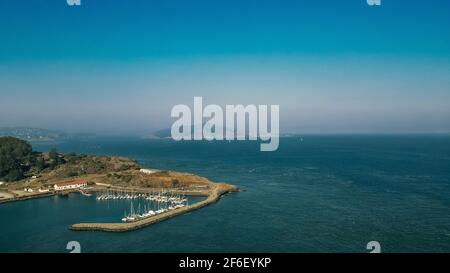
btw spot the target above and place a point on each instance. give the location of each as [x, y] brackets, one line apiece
[118, 66]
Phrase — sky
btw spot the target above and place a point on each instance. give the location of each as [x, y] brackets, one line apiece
[118, 67]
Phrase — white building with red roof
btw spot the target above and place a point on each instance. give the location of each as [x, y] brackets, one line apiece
[68, 185]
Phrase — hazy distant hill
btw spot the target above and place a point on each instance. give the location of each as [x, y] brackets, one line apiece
[166, 133]
[162, 133]
[32, 134]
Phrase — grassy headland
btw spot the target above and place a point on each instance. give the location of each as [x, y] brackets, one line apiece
[41, 171]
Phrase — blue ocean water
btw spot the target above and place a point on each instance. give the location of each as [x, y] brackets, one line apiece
[315, 194]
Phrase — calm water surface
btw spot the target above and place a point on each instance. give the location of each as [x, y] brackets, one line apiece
[322, 194]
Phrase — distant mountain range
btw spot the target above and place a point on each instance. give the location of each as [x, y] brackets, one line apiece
[32, 134]
[166, 133]
[162, 133]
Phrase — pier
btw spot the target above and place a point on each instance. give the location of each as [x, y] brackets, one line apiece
[216, 191]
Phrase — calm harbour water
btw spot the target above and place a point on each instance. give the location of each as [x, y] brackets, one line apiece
[322, 194]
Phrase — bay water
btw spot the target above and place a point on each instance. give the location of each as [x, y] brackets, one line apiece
[331, 193]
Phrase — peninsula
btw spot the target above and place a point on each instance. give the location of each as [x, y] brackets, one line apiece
[25, 174]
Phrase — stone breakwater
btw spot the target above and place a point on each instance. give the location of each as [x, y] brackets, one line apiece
[216, 191]
[26, 197]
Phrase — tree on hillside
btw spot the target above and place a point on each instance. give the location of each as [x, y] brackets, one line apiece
[16, 157]
[55, 159]
[40, 163]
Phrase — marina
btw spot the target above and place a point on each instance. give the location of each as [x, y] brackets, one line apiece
[142, 217]
[148, 204]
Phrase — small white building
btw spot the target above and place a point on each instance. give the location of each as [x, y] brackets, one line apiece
[28, 190]
[147, 171]
[44, 190]
[68, 185]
